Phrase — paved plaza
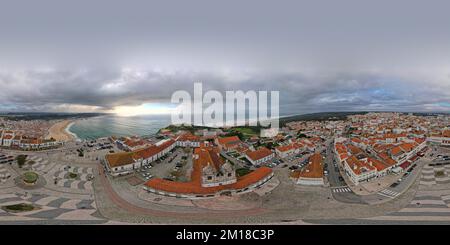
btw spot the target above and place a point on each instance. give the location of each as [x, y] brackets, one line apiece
[78, 191]
[433, 175]
[48, 208]
[40, 164]
[82, 181]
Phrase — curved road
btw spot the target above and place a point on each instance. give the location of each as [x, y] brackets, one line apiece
[124, 204]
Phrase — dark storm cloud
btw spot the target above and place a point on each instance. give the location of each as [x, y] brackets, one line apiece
[320, 55]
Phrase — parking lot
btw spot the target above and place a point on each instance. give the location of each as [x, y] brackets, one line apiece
[174, 166]
[6, 158]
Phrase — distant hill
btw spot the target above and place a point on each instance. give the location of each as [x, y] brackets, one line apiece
[333, 116]
[46, 115]
[320, 116]
[183, 127]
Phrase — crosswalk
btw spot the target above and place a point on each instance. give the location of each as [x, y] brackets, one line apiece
[388, 193]
[341, 189]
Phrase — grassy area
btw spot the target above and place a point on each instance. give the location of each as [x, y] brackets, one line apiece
[247, 130]
[30, 177]
[244, 132]
[176, 128]
[21, 207]
[72, 175]
[242, 171]
[439, 174]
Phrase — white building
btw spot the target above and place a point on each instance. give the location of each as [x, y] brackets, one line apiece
[312, 174]
[188, 140]
[442, 139]
[259, 156]
[126, 162]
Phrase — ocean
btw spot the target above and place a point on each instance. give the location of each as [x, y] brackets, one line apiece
[108, 125]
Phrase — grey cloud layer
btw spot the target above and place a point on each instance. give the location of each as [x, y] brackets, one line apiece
[45, 90]
[321, 55]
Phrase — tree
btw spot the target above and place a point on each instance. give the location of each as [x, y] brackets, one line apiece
[21, 159]
[301, 135]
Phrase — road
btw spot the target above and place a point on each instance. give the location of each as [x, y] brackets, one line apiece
[387, 194]
[339, 189]
[233, 160]
[113, 196]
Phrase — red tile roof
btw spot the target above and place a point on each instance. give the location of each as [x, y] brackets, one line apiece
[284, 148]
[357, 166]
[208, 156]
[229, 140]
[379, 165]
[313, 170]
[188, 137]
[125, 158]
[119, 159]
[259, 154]
[194, 186]
[446, 133]
[152, 150]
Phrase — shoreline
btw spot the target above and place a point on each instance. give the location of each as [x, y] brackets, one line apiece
[59, 131]
[67, 130]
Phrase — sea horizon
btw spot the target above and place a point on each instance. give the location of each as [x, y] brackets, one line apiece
[107, 125]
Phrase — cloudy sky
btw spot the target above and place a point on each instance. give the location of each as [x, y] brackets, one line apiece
[92, 55]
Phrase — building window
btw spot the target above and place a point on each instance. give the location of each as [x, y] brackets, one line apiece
[209, 177]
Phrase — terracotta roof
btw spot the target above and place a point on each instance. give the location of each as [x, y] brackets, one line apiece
[446, 133]
[205, 156]
[259, 154]
[357, 166]
[379, 165]
[387, 159]
[188, 137]
[194, 186]
[343, 156]
[313, 170]
[356, 140]
[134, 143]
[341, 149]
[419, 140]
[396, 151]
[355, 150]
[408, 146]
[152, 150]
[284, 148]
[229, 141]
[119, 159]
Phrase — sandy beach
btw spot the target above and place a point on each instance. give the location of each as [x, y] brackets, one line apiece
[58, 131]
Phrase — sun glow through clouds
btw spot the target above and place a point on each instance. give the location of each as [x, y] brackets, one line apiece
[144, 109]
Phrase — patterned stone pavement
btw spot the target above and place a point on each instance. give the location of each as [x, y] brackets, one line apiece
[430, 205]
[4, 174]
[49, 208]
[81, 182]
[40, 164]
[433, 175]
